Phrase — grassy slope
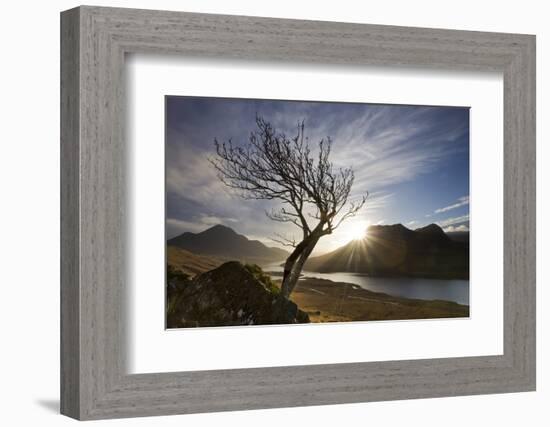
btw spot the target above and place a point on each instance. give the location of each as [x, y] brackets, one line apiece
[190, 263]
[327, 301]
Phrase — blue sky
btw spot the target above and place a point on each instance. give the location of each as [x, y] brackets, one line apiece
[412, 160]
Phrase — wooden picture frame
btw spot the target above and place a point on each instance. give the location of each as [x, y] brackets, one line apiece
[94, 382]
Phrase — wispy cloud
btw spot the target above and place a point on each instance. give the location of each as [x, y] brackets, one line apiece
[454, 229]
[454, 220]
[390, 145]
[461, 202]
[376, 201]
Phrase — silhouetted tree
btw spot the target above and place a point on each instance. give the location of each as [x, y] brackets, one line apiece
[274, 167]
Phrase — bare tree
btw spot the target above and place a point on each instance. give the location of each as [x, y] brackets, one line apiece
[274, 167]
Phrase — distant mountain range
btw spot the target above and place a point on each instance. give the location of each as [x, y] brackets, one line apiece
[222, 241]
[388, 250]
[394, 250]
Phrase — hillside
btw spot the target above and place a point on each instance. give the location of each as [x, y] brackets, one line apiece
[460, 236]
[394, 250]
[222, 241]
[189, 263]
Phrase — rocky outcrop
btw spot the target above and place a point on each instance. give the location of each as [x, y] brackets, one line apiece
[229, 295]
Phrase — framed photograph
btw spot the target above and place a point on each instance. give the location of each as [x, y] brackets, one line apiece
[328, 247]
[262, 213]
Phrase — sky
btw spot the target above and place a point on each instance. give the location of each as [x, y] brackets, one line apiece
[413, 161]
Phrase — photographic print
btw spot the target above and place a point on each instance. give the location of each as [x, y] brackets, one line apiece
[296, 212]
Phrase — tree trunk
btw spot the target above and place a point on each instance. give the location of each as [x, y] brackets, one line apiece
[294, 264]
[289, 265]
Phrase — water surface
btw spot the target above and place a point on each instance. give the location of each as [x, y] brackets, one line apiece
[426, 289]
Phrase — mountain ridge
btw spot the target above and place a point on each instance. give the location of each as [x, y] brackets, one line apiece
[220, 240]
[395, 250]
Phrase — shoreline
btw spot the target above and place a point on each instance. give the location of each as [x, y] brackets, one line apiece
[309, 273]
[376, 284]
[327, 301]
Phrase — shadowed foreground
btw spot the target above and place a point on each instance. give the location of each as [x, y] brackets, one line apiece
[203, 291]
[232, 294]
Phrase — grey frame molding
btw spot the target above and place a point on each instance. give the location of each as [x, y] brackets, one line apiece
[94, 382]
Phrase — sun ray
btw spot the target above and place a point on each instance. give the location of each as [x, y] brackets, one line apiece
[355, 231]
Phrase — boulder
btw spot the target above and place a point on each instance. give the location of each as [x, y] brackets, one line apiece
[230, 295]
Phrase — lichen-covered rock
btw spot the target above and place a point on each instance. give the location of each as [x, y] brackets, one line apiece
[229, 295]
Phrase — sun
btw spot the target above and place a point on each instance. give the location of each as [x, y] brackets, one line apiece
[356, 231]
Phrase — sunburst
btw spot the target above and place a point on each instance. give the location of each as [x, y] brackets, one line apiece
[356, 231]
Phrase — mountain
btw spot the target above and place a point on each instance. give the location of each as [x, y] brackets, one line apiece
[459, 236]
[394, 250]
[222, 241]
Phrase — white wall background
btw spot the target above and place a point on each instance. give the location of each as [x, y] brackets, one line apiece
[29, 224]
